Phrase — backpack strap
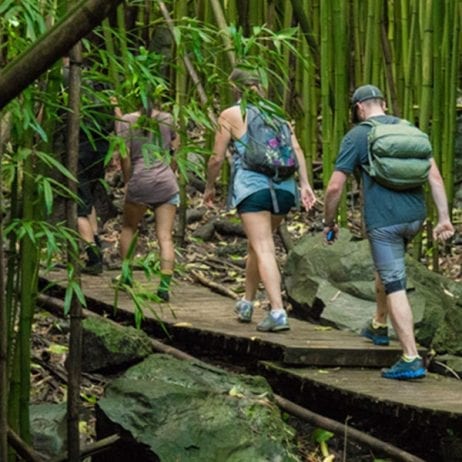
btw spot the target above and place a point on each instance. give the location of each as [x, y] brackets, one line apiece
[367, 168]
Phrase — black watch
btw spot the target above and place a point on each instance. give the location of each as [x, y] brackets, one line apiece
[330, 225]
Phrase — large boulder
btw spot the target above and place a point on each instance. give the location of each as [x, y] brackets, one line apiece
[334, 284]
[171, 410]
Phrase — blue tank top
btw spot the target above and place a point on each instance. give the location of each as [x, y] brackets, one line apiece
[246, 182]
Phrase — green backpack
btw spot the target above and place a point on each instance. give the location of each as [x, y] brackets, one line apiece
[399, 154]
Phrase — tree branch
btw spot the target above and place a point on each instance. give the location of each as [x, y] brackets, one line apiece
[41, 55]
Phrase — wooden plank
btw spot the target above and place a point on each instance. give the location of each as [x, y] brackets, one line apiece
[196, 308]
[334, 355]
[432, 394]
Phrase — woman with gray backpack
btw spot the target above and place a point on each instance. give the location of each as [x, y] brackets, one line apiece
[265, 157]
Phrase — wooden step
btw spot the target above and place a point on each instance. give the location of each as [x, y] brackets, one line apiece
[195, 308]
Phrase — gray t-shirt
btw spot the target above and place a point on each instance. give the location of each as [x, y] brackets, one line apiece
[382, 206]
[152, 181]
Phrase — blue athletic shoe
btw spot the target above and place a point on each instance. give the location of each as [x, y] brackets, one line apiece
[403, 370]
[244, 310]
[271, 324]
[379, 335]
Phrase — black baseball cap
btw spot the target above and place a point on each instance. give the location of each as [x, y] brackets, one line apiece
[364, 93]
[361, 94]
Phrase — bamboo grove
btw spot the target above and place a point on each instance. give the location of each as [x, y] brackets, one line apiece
[311, 54]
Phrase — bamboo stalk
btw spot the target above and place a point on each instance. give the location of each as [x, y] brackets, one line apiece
[3, 328]
[109, 44]
[326, 110]
[28, 269]
[448, 158]
[75, 339]
[221, 21]
[302, 19]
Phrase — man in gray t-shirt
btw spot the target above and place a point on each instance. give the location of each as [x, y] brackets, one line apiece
[392, 219]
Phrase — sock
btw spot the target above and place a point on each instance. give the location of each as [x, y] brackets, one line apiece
[165, 280]
[275, 313]
[97, 241]
[376, 324]
[409, 359]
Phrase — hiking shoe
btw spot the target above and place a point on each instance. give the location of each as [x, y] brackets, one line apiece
[379, 336]
[271, 324]
[244, 310]
[164, 295]
[403, 370]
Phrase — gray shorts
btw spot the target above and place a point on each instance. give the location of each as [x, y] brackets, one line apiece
[174, 200]
[388, 248]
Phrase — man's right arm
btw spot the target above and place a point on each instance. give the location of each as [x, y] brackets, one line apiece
[332, 197]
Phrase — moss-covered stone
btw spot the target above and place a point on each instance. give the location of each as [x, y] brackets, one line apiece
[108, 345]
[189, 411]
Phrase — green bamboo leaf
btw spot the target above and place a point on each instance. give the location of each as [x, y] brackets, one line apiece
[47, 190]
[79, 293]
[322, 436]
[67, 300]
[28, 230]
[5, 5]
[52, 162]
[50, 235]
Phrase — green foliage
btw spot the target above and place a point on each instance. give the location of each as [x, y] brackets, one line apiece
[73, 289]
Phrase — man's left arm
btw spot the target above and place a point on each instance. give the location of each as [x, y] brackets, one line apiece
[444, 229]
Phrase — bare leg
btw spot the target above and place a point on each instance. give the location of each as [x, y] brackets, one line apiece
[402, 320]
[132, 215]
[85, 229]
[259, 227]
[93, 221]
[165, 220]
[252, 276]
[381, 312]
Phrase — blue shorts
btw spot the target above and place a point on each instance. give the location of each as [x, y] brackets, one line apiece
[261, 201]
[388, 248]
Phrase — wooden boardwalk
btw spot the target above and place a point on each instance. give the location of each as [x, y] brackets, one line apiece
[312, 355]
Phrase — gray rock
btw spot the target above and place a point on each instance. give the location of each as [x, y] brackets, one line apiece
[48, 428]
[449, 365]
[335, 284]
[172, 410]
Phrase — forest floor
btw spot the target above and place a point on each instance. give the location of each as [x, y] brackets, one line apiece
[219, 260]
